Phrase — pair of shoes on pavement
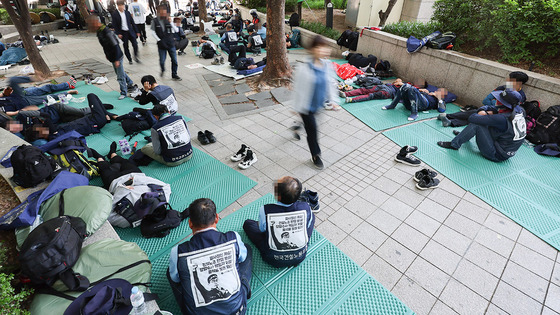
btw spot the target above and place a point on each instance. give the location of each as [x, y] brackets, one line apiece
[312, 198]
[206, 137]
[134, 91]
[219, 61]
[246, 156]
[405, 156]
[426, 179]
[100, 80]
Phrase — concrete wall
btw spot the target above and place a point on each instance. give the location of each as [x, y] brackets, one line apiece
[417, 10]
[365, 12]
[307, 37]
[247, 16]
[37, 28]
[471, 78]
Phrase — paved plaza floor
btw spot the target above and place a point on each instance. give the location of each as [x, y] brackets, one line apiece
[442, 251]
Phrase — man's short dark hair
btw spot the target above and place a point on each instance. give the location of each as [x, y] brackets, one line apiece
[519, 76]
[162, 7]
[159, 110]
[176, 19]
[288, 189]
[229, 26]
[121, 2]
[250, 29]
[148, 78]
[202, 212]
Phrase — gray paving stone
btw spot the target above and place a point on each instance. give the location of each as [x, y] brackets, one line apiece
[282, 94]
[423, 223]
[232, 99]
[360, 207]
[553, 298]
[332, 232]
[397, 208]
[440, 256]
[414, 296]
[386, 185]
[238, 108]
[548, 311]
[452, 239]
[472, 211]
[214, 83]
[441, 309]
[486, 259]
[410, 238]
[345, 220]
[514, 301]
[556, 274]
[428, 276]
[260, 96]
[477, 279]
[358, 252]
[223, 89]
[369, 236]
[444, 198]
[383, 221]
[462, 225]
[525, 281]
[495, 241]
[396, 254]
[408, 196]
[434, 210]
[494, 310]
[212, 76]
[382, 271]
[532, 260]
[265, 103]
[533, 242]
[462, 299]
[374, 195]
[242, 88]
[503, 225]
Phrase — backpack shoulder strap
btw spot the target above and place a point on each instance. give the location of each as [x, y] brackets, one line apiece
[74, 281]
[61, 203]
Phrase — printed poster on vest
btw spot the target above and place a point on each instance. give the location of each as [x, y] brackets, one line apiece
[519, 127]
[171, 103]
[175, 134]
[258, 40]
[213, 273]
[232, 36]
[287, 231]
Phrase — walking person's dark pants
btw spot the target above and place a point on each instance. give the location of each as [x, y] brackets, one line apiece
[310, 125]
[126, 37]
[142, 30]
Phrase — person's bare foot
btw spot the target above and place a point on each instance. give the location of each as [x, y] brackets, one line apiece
[73, 92]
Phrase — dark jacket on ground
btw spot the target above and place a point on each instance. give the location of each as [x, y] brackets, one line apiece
[110, 43]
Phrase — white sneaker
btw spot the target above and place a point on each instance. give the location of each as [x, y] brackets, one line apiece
[102, 80]
[50, 100]
[135, 93]
[240, 154]
[95, 80]
[250, 159]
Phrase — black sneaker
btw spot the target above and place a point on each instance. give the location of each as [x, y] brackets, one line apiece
[408, 149]
[112, 149]
[176, 78]
[210, 136]
[446, 144]
[240, 154]
[408, 160]
[424, 172]
[312, 198]
[467, 108]
[427, 182]
[202, 138]
[295, 129]
[317, 162]
[456, 132]
[95, 154]
[250, 159]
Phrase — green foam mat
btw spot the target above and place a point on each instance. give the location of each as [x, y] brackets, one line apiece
[371, 114]
[524, 188]
[326, 282]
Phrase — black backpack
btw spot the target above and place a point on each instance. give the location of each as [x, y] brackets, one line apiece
[294, 20]
[207, 51]
[442, 41]
[348, 39]
[161, 221]
[52, 248]
[547, 129]
[31, 166]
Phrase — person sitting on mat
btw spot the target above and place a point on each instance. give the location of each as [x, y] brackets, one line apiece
[154, 93]
[45, 129]
[498, 135]
[514, 82]
[14, 97]
[193, 273]
[283, 230]
[171, 140]
[229, 40]
[416, 100]
[254, 41]
[377, 92]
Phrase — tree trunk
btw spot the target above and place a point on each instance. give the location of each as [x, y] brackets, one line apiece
[202, 13]
[22, 22]
[278, 68]
[384, 15]
[84, 12]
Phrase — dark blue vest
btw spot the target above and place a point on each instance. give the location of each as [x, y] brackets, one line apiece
[290, 257]
[174, 146]
[164, 94]
[203, 240]
[504, 142]
[229, 42]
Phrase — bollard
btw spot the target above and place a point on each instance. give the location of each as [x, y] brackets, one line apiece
[329, 15]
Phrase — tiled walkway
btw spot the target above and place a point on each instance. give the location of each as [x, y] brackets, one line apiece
[441, 252]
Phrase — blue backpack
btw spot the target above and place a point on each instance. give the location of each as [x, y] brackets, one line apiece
[414, 44]
[295, 38]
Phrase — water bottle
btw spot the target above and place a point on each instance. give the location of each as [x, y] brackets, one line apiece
[137, 301]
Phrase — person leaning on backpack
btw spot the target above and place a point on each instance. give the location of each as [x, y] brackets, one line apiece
[171, 140]
[314, 88]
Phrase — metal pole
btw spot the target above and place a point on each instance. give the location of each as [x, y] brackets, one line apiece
[329, 15]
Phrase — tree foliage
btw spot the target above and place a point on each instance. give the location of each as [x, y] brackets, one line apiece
[519, 29]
